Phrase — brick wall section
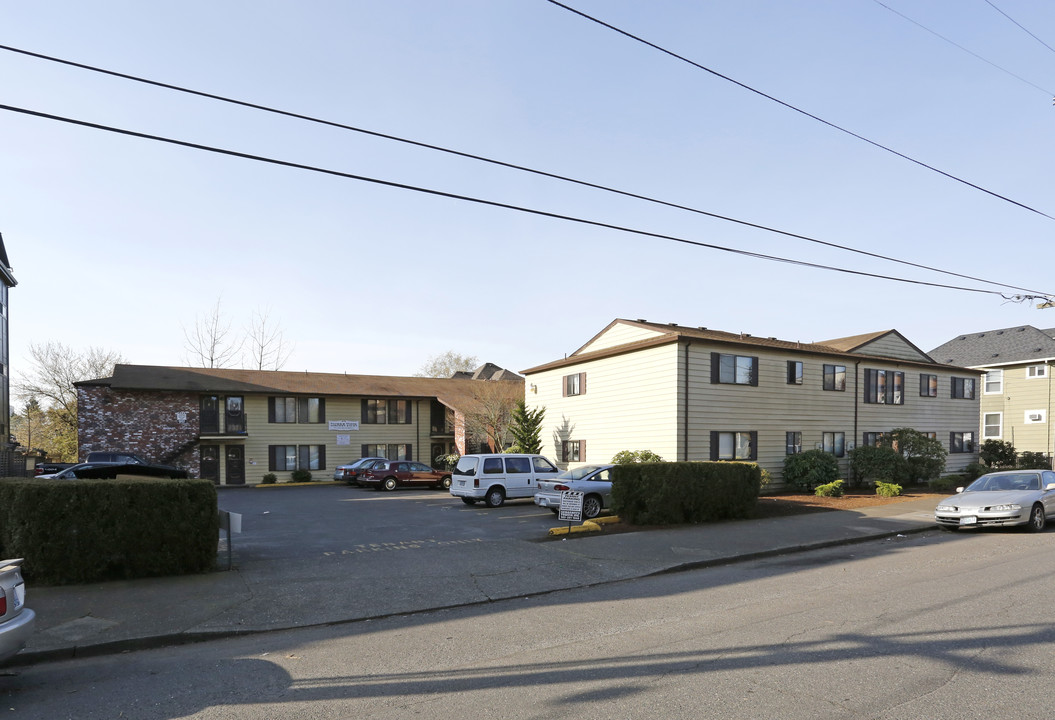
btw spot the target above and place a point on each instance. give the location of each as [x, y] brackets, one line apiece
[145, 423]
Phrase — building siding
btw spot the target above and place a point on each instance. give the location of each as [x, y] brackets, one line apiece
[618, 334]
[892, 346]
[1020, 395]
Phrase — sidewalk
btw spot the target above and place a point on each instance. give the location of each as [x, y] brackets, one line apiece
[82, 620]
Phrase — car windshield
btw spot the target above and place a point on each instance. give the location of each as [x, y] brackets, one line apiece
[1012, 481]
[578, 473]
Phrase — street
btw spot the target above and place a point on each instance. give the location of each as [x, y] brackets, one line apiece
[934, 625]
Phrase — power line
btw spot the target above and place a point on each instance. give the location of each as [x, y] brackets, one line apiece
[961, 47]
[508, 206]
[500, 163]
[796, 109]
[1020, 26]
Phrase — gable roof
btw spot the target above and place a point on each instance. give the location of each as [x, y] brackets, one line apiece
[1004, 346]
[667, 333]
[455, 393]
[5, 266]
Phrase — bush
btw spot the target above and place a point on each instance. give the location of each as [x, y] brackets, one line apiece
[810, 469]
[871, 463]
[684, 492]
[1034, 461]
[947, 484]
[300, 476]
[974, 471]
[997, 454]
[832, 489]
[627, 457]
[886, 489]
[269, 479]
[925, 456]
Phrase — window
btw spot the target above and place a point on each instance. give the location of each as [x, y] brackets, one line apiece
[961, 442]
[391, 451]
[884, 387]
[575, 384]
[871, 439]
[992, 425]
[928, 385]
[793, 441]
[542, 465]
[292, 410]
[835, 377]
[1037, 371]
[734, 445]
[386, 412]
[573, 451]
[994, 382]
[234, 417]
[518, 465]
[963, 388]
[794, 372]
[835, 443]
[296, 457]
[734, 369]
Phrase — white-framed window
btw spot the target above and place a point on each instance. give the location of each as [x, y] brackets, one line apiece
[1036, 371]
[994, 382]
[993, 425]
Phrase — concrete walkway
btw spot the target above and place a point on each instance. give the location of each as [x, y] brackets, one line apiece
[81, 620]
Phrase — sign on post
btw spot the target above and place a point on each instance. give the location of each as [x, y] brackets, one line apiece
[571, 506]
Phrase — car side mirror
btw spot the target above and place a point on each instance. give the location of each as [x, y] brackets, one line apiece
[959, 489]
[1050, 486]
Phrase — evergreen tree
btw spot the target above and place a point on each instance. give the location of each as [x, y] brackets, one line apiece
[526, 428]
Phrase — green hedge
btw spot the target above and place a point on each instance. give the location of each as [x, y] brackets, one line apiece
[684, 492]
[80, 531]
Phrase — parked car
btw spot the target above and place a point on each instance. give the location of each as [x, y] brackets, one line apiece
[593, 481]
[16, 620]
[391, 474]
[50, 468]
[1008, 497]
[493, 478]
[70, 473]
[103, 470]
[115, 457]
[350, 472]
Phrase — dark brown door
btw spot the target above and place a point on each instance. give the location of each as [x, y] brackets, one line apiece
[210, 462]
[235, 465]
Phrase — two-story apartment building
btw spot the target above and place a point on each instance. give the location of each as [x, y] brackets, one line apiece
[1017, 393]
[235, 426]
[691, 393]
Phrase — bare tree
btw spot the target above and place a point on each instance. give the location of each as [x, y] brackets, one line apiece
[492, 414]
[211, 344]
[446, 364]
[267, 349]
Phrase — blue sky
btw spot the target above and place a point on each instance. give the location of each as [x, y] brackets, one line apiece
[120, 243]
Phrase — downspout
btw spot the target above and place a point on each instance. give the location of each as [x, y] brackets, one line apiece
[685, 403]
[857, 399]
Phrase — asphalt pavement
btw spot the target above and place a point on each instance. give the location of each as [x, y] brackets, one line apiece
[415, 576]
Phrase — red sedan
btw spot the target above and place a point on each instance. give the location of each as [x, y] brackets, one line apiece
[397, 473]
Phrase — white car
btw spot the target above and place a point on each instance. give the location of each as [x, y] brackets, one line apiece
[593, 481]
[1009, 497]
[16, 620]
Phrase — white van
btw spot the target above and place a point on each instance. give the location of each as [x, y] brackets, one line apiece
[493, 478]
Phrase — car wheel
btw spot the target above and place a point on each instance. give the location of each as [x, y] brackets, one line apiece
[469, 501]
[495, 497]
[445, 483]
[390, 483]
[1037, 519]
[591, 507]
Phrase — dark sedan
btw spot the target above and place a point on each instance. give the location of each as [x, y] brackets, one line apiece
[350, 472]
[396, 473]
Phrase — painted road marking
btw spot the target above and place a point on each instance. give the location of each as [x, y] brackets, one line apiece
[402, 545]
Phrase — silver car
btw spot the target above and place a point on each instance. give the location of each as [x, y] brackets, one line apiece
[16, 620]
[593, 481]
[1009, 497]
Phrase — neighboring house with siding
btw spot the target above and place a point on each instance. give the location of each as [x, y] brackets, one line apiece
[234, 426]
[7, 446]
[691, 393]
[1017, 393]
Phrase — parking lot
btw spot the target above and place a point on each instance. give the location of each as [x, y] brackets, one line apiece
[304, 522]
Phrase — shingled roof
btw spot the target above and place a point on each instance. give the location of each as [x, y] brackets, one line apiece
[455, 393]
[997, 347]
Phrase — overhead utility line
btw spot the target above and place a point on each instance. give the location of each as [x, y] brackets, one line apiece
[1020, 26]
[796, 109]
[1048, 297]
[500, 163]
[961, 47]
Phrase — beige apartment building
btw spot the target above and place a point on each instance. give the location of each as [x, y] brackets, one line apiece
[692, 393]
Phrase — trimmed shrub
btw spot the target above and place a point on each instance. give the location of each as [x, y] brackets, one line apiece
[625, 457]
[810, 469]
[974, 471]
[1034, 461]
[947, 483]
[869, 463]
[997, 454]
[81, 531]
[300, 476]
[684, 492]
[832, 489]
[925, 456]
[269, 479]
[886, 489]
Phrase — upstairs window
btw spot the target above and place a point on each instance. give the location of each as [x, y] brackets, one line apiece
[928, 385]
[963, 388]
[296, 410]
[884, 387]
[734, 369]
[994, 382]
[386, 412]
[1037, 371]
[835, 377]
[794, 372]
[575, 384]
